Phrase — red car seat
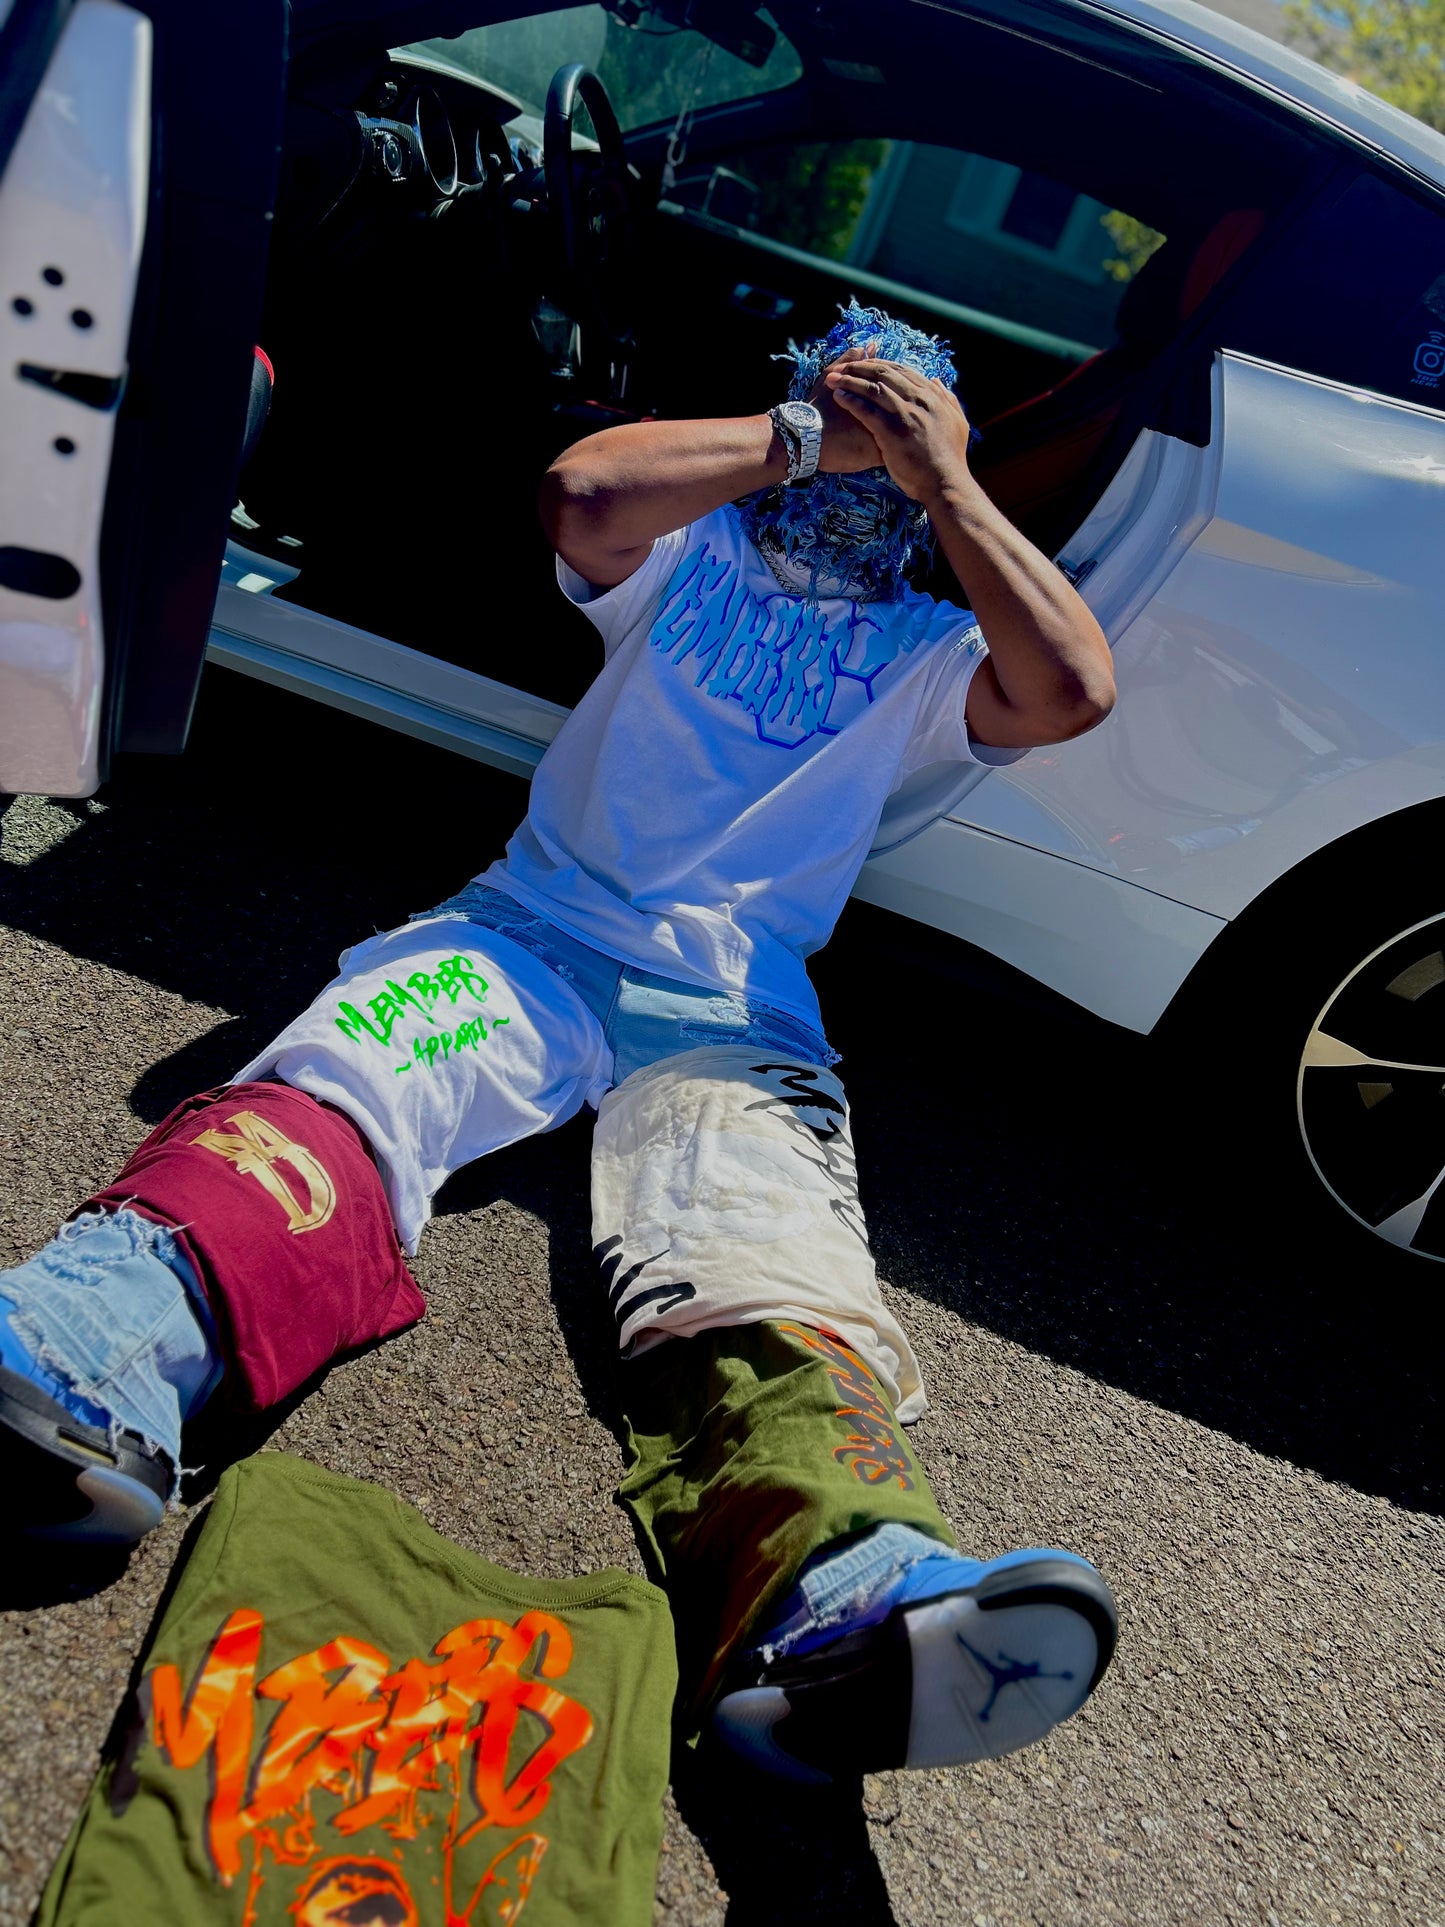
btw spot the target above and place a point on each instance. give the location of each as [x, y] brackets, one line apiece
[1032, 454]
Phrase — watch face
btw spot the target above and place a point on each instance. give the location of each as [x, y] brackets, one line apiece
[801, 415]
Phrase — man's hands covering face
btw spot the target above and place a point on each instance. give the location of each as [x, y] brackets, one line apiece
[848, 442]
[917, 425]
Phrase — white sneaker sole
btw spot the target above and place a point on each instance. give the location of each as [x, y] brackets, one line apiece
[67, 1481]
[965, 1677]
[988, 1682]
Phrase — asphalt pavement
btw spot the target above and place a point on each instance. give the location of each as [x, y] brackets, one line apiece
[1127, 1354]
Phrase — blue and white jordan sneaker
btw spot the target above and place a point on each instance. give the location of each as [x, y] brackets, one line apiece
[68, 1471]
[946, 1661]
[106, 1347]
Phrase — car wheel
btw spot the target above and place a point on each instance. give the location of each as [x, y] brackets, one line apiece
[1370, 1091]
[1315, 1032]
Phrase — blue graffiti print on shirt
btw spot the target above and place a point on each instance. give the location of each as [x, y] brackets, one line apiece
[774, 654]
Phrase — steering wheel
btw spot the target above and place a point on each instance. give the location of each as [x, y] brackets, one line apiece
[592, 209]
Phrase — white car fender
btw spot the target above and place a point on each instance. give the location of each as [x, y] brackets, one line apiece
[1276, 604]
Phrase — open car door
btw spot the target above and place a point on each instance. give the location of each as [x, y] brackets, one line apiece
[138, 154]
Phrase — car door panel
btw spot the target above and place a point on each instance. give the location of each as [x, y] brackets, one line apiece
[1275, 605]
[1120, 951]
[133, 239]
[220, 80]
[72, 222]
[368, 675]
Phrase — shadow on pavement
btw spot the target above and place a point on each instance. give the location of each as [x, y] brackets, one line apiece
[1019, 1168]
[1010, 1157]
[550, 1178]
[37, 1574]
[782, 1854]
[43, 1574]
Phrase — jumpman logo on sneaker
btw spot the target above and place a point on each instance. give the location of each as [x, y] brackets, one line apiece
[1010, 1673]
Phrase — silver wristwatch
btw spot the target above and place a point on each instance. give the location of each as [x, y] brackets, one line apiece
[801, 426]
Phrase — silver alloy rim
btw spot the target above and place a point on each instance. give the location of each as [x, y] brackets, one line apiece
[1370, 1094]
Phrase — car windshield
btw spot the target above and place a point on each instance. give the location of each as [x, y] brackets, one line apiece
[650, 70]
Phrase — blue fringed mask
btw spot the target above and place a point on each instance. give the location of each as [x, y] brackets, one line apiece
[847, 535]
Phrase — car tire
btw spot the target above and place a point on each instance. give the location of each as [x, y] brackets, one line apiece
[1309, 1047]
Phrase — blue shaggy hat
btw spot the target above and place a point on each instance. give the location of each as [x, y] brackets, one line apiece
[859, 528]
[872, 328]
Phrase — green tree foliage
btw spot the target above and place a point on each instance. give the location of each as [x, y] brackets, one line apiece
[811, 196]
[1396, 48]
[1133, 241]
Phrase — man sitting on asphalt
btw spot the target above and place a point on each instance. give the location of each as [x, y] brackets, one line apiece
[770, 677]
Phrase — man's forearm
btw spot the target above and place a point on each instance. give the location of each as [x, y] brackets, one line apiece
[608, 498]
[1047, 654]
[1048, 674]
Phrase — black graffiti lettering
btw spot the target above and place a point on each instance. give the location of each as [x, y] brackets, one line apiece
[839, 1167]
[609, 1257]
[629, 1276]
[799, 1080]
[850, 1216]
[800, 1077]
[665, 1296]
[837, 1163]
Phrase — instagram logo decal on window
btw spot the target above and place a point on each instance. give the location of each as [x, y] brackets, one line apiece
[1430, 360]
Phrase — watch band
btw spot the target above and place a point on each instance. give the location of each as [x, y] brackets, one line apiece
[791, 440]
[800, 424]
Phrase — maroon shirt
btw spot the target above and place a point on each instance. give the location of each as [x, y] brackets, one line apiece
[278, 1204]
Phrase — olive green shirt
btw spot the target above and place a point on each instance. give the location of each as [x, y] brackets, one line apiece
[344, 1718]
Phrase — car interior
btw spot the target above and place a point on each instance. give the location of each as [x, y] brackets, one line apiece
[478, 258]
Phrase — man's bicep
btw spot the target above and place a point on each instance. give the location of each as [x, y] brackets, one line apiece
[993, 721]
[603, 568]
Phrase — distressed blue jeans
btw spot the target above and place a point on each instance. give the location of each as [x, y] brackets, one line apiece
[112, 1309]
[645, 1017]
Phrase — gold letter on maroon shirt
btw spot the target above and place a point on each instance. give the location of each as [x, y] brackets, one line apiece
[256, 1150]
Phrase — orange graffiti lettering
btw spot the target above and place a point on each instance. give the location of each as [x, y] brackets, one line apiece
[218, 1717]
[513, 1882]
[873, 1448]
[314, 1738]
[517, 1801]
[377, 1739]
[428, 1725]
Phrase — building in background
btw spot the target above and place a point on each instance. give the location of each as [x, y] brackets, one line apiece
[998, 238]
[1015, 244]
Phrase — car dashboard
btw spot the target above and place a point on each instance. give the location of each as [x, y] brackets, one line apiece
[418, 133]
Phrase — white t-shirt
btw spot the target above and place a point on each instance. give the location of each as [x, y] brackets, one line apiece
[706, 808]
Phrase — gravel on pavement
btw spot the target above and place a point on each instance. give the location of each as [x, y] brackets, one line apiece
[1125, 1356]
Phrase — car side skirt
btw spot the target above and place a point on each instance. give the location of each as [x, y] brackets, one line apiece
[1120, 951]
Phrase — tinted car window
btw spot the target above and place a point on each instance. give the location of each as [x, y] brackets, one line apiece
[1355, 293]
[973, 230]
[1013, 242]
[650, 70]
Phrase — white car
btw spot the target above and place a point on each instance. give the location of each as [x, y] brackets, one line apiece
[1196, 288]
